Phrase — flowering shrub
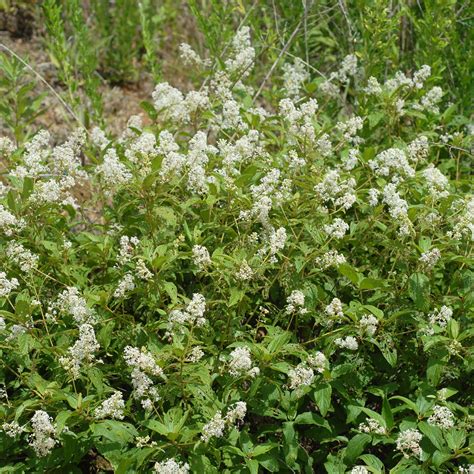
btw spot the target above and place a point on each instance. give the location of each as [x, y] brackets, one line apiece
[233, 287]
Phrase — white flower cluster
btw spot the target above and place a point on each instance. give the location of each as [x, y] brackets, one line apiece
[430, 258]
[334, 309]
[300, 119]
[71, 302]
[125, 285]
[81, 352]
[372, 426]
[21, 256]
[43, 437]
[418, 149]
[9, 223]
[196, 160]
[436, 181]
[318, 362]
[201, 257]
[300, 376]
[6, 285]
[465, 223]
[170, 466]
[127, 248]
[430, 100]
[7, 147]
[144, 366]
[440, 317]
[332, 258]
[239, 153]
[408, 442]
[442, 417]
[195, 355]
[392, 161]
[348, 342]
[215, 428]
[324, 145]
[349, 129]
[99, 138]
[359, 470]
[369, 324]
[245, 272]
[173, 105]
[190, 57]
[112, 171]
[294, 76]
[337, 229]
[295, 303]
[347, 69]
[142, 271]
[112, 407]
[275, 242]
[373, 197]
[53, 191]
[397, 208]
[12, 429]
[373, 86]
[400, 80]
[241, 363]
[34, 157]
[243, 54]
[140, 151]
[270, 191]
[192, 314]
[336, 190]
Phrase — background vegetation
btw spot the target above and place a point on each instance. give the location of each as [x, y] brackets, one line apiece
[270, 270]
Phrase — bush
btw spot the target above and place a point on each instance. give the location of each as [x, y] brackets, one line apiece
[237, 285]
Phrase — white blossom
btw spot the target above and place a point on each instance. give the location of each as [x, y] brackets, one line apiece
[81, 352]
[170, 466]
[125, 285]
[408, 442]
[241, 363]
[43, 437]
[337, 229]
[334, 309]
[300, 376]
[348, 342]
[332, 258]
[295, 302]
[112, 407]
[192, 314]
[12, 429]
[372, 426]
[6, 285]
[442, 417]
[369, 324]
[430, 258]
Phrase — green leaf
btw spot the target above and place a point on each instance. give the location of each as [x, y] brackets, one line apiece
[350, 273]
[455, 439]
[236, 296]
[373, 462]
[434, 434]
[419, 290]
[371, 284]
[322, 397]
[407, 402]
[290, 447]
[355, 447]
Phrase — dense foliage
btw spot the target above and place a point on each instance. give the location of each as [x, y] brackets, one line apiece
[268, 275]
